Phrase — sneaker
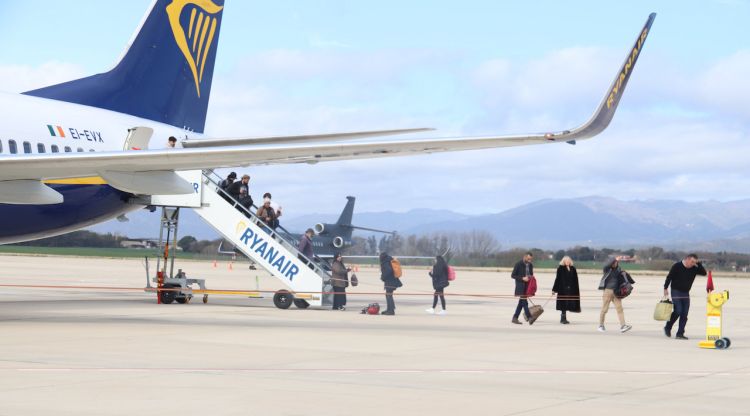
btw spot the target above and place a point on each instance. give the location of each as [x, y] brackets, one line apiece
[516, 321]
[625, 328]
[526, 317]
[564, 321]
[388, 313]
[601, 328]
[342, 308]
[431, 311]
[443, 312]
[681, 336]
[667, 332]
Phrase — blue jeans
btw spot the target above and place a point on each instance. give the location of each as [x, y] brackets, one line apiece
[681, 302]
[523, 303]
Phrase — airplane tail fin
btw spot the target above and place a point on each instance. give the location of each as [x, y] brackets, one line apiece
[347, 214]
[165, 74]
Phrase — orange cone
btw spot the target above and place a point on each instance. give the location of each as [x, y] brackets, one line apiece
[230, 266]
[710, 283]
[214, 264]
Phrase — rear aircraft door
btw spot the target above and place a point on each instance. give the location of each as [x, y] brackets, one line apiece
[138, 138]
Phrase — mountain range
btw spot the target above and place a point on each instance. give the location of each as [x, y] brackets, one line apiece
[549, 223]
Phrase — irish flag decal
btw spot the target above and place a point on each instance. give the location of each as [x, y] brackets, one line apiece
[55, 131]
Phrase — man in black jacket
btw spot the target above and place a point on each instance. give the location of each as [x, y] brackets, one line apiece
[681, 276]
[522, 271]
[234, 189]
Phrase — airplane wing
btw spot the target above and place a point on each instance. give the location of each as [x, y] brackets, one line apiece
[296, 139]
[152, 171]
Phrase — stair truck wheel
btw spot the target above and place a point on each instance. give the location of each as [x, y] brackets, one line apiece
[301, 304]
[728, 342]
[283, 299]
[720, 344]
[183, 299]
[168, 296]
[205, 298]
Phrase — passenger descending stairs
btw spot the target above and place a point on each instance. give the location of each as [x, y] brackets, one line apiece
[306, 282]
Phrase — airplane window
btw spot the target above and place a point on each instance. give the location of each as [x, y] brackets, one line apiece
[26, 147]
[40, 148]
[91, 150]
[1, 146]
[12, 147]
[67, 149]
[80, 149]
[54, 148]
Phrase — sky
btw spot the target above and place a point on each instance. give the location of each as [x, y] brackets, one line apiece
[471, 67]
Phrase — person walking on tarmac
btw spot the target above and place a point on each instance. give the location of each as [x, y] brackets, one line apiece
[390, 282]
[567, 290]
[522, 272]
[681, 276]
[340, 281]
[439, 275]
[610, 282]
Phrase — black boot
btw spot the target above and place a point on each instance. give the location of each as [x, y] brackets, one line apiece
[563, 319]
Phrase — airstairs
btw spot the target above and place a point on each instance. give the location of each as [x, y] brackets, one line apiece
[306, 281]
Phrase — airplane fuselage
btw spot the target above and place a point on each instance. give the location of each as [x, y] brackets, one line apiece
[32, 125]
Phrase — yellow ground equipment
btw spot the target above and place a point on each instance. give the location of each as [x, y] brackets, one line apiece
[714, 304]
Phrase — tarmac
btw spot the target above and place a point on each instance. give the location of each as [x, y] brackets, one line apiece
[86, 350]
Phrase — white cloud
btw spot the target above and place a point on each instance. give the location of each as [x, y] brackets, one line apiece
[19, 78]
[726, 85]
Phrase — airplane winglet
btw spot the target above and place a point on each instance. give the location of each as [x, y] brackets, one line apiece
[606, 110]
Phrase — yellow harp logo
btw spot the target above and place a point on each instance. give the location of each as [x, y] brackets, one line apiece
[196, 43]
[240, 228]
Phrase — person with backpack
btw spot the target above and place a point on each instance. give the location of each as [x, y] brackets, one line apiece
[611, 281]
[391, 281]
[340, 281]
[523, 271]
[567, 289]
[439, 275]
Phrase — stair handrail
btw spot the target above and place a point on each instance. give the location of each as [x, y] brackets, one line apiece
[287, 242]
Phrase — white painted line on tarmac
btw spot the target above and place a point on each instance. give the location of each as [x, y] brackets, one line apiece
[378, 370]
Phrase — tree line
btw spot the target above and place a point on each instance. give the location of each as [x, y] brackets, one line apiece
[474, 248]
[481, 249]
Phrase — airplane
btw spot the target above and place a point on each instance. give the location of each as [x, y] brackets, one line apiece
[78, 153]
[330, 239]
